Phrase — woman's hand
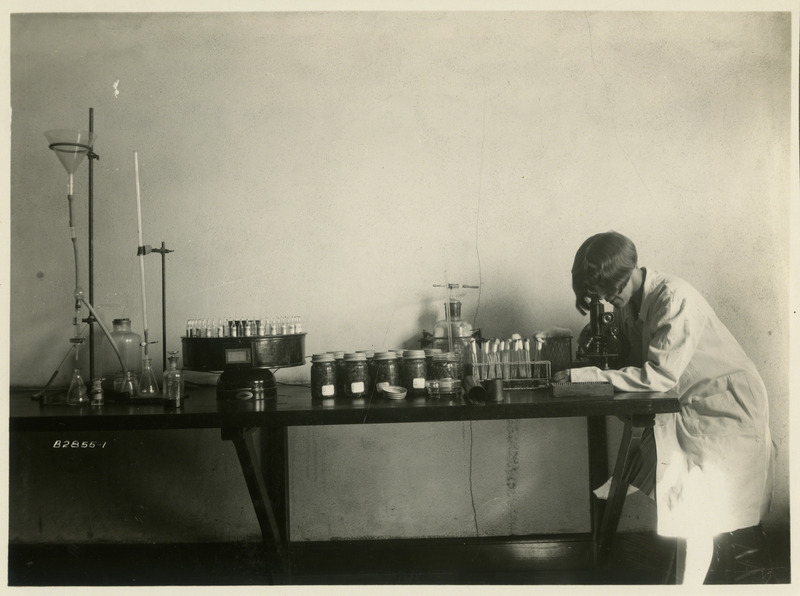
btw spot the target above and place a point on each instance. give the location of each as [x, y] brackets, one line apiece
[562, 376]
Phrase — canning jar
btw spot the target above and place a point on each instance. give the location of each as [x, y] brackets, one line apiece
[444, 379]
[444, 366]
[429, 355]
[356, 375]
[414, 372]
[386, 370]
[370, 354]
[339, 357]
[323, 376]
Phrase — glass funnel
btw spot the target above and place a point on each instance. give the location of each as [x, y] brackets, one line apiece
[70, 146]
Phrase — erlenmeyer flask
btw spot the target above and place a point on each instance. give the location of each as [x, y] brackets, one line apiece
[77, 395]
[70, 146]
[148, 385]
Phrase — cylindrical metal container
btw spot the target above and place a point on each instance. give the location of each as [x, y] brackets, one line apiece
[242, 360]
[214, 354]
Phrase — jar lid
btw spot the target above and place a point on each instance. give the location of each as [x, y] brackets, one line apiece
[395, 392]
[121, 321]
[369, 353]
[338, 355]
[355, 357]
[446, 356]
[432, 351]
[385, 356]
[414, 354]
[326, 357]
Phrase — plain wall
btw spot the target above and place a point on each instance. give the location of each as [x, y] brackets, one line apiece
[337, 166]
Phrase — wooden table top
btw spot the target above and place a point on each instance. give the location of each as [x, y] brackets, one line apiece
[293, 406]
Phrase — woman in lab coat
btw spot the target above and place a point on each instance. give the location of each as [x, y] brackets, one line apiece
[712, 458]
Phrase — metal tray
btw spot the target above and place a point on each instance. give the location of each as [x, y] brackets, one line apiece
[216, 354]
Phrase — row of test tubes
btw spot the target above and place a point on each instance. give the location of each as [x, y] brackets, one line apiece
[244, 327]
[513, 358]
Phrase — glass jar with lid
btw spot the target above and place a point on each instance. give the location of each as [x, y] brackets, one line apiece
[429, 354]
[386, 370]
[444, 366]
[339, 358]
[414, 372]
[445, 373]
[356, 375]
[323, 376]
[370, 354]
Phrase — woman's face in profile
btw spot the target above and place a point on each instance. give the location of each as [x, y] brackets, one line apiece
[619, 296]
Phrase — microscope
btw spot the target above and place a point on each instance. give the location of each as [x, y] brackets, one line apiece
[600, 343]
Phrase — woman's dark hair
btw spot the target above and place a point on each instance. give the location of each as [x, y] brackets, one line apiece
[603, 263]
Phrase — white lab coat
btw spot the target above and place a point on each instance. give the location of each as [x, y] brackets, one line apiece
[713, 455]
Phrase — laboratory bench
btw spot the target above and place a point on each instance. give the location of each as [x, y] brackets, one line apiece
[265, 467]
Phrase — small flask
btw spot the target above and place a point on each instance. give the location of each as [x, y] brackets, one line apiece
[96, 396]
[173, 383]
[148, 386]
[77, 394]
[258, 389]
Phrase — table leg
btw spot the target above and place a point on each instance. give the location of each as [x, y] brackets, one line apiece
[631, 439]
[598, 468]
[270, 531]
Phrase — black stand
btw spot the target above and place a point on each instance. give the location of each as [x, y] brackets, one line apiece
[147, 249]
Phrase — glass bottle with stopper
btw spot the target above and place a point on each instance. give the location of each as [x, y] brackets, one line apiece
[115, 368]
[452, 334]
[173, 383]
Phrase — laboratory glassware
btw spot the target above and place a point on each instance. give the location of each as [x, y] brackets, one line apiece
[148, 385]
[173, 383]
[77, 395]
[128, 345]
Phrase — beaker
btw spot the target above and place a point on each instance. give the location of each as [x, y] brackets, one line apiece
[77, 395]
[129, 386]
[148, 385]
